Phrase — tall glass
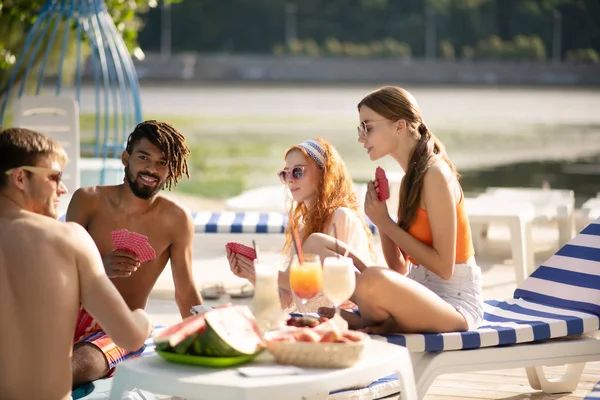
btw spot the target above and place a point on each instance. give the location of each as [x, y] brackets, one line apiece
[306, 279]
[266, 304]
[339, 280]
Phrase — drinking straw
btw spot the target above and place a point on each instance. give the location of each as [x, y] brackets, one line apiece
[296, 241]
[255, 250]
[337, 248]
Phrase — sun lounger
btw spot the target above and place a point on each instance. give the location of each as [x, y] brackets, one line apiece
[594, 394]
[550, 321]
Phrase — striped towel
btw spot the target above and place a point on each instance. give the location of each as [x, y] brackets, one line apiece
[560, 298]
[149, 348]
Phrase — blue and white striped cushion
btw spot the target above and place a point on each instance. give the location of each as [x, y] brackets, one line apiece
[505, 322]
[243, 222]
[561, 298]
[571, 277]
[594, 394]
[240, 222]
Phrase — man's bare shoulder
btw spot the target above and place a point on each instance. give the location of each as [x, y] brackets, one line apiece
[173, 210]
[95, 193]
[51, 229]
[86, 201]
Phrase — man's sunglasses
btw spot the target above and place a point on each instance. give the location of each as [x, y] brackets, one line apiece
[295, 173]
[53, 174]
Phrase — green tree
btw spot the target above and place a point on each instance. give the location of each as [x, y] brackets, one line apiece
[17, 16]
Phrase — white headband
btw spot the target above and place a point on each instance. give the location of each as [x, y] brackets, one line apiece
[315, 151]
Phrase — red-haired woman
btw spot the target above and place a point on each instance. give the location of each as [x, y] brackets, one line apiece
[323, 195]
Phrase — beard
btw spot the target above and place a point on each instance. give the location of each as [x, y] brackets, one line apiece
[142, 191]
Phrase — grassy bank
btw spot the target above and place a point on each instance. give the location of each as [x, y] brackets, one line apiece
[233, 153]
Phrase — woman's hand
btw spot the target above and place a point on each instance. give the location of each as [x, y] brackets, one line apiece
[374, 209]
[241, 266]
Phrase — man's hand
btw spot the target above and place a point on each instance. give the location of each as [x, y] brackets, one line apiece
[120, 264]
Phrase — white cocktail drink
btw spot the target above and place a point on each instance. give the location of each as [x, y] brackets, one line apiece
[266, 304]
[339, 279]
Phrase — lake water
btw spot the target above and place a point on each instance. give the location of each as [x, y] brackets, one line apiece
[581, 176]
[497, 136]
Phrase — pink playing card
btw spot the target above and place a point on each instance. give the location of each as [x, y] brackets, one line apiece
[145, 252]
[119, 238]
[135, 243]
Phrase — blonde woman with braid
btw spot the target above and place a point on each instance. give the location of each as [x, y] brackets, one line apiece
[155, 158]
[323, 196]
[433, 283]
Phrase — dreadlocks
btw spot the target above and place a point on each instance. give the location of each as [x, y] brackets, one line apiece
[170, 141]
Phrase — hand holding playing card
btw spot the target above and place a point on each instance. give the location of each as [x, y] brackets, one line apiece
[383, 188]
[128, 246]
[241, 249]
[243, 268]
[120, 263]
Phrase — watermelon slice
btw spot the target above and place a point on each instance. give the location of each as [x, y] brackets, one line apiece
[230, 332]
[177, 337]
[384, 188]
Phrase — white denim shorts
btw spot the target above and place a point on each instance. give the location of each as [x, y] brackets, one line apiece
[463, 291]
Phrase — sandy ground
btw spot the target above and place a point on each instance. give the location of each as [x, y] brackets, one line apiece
[464, 107]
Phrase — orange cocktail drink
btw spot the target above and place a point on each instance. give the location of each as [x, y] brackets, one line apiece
[306, 279]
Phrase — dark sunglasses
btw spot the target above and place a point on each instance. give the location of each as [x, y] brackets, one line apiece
[295, 173]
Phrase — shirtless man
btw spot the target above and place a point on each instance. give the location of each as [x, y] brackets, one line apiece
[155, 157]
[46, 269]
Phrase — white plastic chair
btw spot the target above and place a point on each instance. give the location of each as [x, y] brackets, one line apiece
[517, 215]
[590, 211]
[550, 205]
[57, 117]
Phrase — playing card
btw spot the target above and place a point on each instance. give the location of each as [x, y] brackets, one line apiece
[145, 252]
[119, 238]
[135, 243]
[384, 188]
[241, 249]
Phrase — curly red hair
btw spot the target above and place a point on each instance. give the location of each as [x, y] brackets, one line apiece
[334, 190]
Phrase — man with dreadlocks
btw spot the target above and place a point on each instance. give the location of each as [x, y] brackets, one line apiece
[155, 157]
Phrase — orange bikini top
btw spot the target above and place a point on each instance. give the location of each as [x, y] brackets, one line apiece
[421, 231]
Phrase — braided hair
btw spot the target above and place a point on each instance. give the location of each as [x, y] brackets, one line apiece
[170, 141]
[395, 103]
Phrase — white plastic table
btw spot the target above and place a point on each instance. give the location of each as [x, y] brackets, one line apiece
[154, 374]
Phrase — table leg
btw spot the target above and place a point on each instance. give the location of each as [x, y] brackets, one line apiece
[119, 387]
[520, 248]
[406, 377]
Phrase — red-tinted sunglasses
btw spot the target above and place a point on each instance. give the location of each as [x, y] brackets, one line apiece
[295, 173]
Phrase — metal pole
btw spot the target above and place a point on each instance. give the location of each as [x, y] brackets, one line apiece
[430, 33]
[165, 31]
[557, 37]
[291, 28]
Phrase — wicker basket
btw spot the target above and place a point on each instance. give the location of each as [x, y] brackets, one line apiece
[317, 355]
